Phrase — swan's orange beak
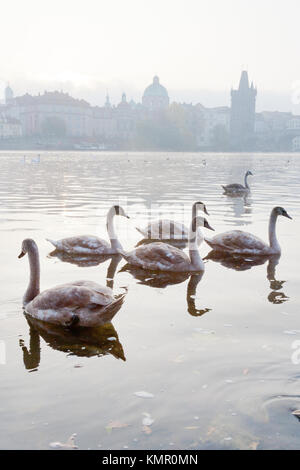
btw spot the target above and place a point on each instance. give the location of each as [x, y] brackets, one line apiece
[21, 254]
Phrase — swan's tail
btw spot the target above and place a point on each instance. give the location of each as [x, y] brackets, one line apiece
[108, 312]
[53, 242]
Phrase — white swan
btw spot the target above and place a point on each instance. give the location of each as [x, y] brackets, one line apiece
[160, 256]
[165, 229]
[245, 243]
[81, 303]
[91, 245]
[238, 188]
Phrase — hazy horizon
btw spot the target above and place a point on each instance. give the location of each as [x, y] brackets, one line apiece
[197, 48]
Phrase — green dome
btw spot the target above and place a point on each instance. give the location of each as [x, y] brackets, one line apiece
[156, 89]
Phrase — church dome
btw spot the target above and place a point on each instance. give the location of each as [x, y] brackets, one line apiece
[155, 96]
[156, 89]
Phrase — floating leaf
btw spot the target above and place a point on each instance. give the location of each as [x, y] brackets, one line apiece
[245, 371]
[147, 430]
[143, 394]
[211, 430]
[253, 445]
[148, 420]
[116, 425]
[70, 444]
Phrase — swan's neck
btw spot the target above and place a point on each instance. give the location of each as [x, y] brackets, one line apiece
[272, 233]
[196, 260]
[33, 288]
[246, 181]
[115, 244]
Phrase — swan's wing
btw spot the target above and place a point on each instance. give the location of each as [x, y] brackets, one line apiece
[157, 256]
[82, 244]
[73, 296]
[237, 241]
[234, 187]
[165, 229]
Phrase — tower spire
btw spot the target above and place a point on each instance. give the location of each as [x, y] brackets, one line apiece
[244, 81]
[107, 102]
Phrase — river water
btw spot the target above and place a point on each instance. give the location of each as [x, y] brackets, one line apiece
[218, 357]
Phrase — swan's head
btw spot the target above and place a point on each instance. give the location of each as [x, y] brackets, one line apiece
[249, 173]
[27, 245]
[199, 206]
[118, 210]
[200, 222]
[281, 211]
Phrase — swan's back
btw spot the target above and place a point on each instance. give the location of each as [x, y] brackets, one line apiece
[82, 244]
[88, 301]
[164, 229]
[237, 241]
[234, 188]
[157, 256]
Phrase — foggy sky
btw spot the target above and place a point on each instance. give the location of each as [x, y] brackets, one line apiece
[197, 48]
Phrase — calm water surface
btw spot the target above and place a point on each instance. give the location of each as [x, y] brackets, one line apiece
[221, 366]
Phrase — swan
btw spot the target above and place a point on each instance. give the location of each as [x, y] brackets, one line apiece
[238, 188]
[245, 243]
[91, 245]
[80, 303]
[165, 229]
[160, 256]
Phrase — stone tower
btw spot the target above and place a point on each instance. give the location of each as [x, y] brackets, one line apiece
[242, 116]
[9, 95]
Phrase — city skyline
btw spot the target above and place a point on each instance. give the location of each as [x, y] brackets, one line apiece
[197, 48]
[266, 99]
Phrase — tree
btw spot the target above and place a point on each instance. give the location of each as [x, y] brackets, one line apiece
[166, 130]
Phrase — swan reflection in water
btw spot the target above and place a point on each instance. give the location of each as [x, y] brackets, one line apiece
[238, 263]
[240, 205]
[81, 342]
[163, 279]
[83, 261]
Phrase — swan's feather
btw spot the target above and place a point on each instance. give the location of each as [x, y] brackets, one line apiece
[237, 241]
[84, 244]
[158, 256]
[164, 229]
[234, 188]
[88, 300]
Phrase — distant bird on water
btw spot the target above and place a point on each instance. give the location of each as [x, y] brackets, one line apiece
[236, 189]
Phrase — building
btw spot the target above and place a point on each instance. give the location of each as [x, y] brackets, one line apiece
[129, 124]
[242, 117]
[215, 125]
[296, 144]
[155, 96]
[9, 95]
[55, 113]
[10, 128]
